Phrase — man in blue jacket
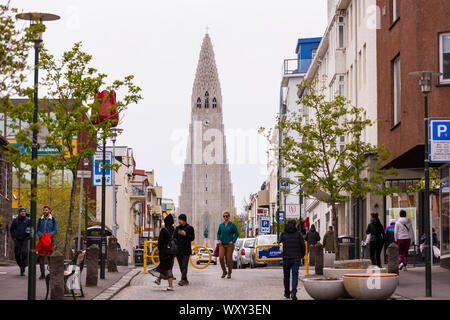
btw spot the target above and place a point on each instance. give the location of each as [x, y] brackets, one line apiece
[20, 233]
[227, 236]
[46, 224]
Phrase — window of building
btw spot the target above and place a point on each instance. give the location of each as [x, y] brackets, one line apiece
[341, 85]
[444, 57]
[365, 64]
[206, 201]
[199, 103]
[214, 103]
[158, 201]
[313, 53]
[206, 100]
[395, 10]
[397, 91]
[341, 33]
[206, 189]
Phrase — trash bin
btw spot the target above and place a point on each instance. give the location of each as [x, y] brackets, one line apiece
[346, 245]
[138, 257]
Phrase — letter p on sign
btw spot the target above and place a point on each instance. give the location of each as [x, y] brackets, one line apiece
[441, 129]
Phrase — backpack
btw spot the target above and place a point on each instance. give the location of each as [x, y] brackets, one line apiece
[172, 246]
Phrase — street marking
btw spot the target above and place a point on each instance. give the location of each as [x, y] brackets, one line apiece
[3, 272]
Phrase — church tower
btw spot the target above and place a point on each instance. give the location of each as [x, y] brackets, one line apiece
[206, 189]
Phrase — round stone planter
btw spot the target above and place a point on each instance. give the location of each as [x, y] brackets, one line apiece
[366, 286]
[324, 289]
[339, 274]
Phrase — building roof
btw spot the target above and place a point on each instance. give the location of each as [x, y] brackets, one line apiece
[306, 41]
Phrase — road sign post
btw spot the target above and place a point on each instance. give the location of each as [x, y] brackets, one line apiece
[264, 227]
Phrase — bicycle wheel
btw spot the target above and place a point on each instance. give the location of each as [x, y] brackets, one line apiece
[196, 248]
[155, 256]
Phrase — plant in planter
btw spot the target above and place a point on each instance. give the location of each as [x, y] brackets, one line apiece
[324, 288]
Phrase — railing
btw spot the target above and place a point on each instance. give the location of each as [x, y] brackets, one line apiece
[295, 66]
[138, 191]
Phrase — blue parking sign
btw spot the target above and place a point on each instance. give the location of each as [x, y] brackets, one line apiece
[439, 140]
[97, 164]
[280, 216]
[264, 225]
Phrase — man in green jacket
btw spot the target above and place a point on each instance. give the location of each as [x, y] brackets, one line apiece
[328, 240]
[227, 236]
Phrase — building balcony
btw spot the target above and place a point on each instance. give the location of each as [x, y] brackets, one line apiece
[264, 199]
[295, 66]
[138, 192]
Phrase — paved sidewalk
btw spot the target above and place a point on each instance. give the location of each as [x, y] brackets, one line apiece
[412, 284]
[14, 287]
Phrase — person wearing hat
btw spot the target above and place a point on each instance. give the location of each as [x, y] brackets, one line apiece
[389, 236]
[184, 233]
[20, 233]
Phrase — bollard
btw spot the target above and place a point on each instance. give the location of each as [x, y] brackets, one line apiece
[146, 243]
[306, 259]
[318, 253]
[56, 265]
[392, 254]
[112, 254]
[92, 256]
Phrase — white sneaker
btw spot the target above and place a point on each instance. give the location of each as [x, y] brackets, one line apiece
[169, 289]
[400, 266]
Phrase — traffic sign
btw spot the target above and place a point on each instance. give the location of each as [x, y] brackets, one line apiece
[292, 211]
[83, 174]
[284, 185]
[439, 140]
[97, 161]
[280, 216]
[264, 225]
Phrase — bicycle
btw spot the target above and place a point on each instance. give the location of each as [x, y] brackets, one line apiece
[154, 256]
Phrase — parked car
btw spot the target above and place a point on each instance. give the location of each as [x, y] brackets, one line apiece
[204, 257]
[261, 240]
[247, 246]
[236, 252]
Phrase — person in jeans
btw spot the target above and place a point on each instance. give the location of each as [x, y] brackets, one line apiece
[404, 236]
[184, 234]
[227, 236]
[377, 239]
[20, 233]
[46, 224]
[293, 251]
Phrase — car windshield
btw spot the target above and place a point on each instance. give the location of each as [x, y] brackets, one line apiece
[249, 243]
[238, 243]
[267, 239]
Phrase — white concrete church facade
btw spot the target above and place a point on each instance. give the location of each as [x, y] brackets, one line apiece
[206, 189]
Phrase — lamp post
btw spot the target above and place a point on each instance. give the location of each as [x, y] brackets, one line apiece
[86, 166]
[35, 19]
[425, 82]
[103, 235]
[116, 131]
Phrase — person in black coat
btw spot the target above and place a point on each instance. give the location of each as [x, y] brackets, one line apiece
[293, 251]
[20, 233]
[377, 239]
[312, 236]
[165, 259]
[184, 234]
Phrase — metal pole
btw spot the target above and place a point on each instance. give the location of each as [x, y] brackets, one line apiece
[114, 190]
[34, 149]
[86, 212]
[79, 214]
[103, 238]
[358, 229]
[427, 206]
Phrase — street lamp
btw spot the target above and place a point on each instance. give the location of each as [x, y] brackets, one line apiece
[425, 82]
[86, 167]
[35, 19]
[115, 132]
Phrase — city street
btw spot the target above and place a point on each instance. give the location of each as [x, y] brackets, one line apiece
[245, 284]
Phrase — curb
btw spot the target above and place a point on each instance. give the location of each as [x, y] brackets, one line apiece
[118, 286]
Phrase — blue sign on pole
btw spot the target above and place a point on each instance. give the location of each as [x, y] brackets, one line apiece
[280, 216]
[439, 140]
[265, 225]
[97, 173]
[284, 185]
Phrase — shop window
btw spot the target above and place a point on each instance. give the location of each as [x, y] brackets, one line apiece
[444, 57]
[397, 91]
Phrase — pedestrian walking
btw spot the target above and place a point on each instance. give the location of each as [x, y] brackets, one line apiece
[165, 257]
[46, 224]
[293, 251]
[390, 238]
[227, 235]
[20, 233]
[328, 240]
[312, 236]
[377, 238]
[184, 234]
[404, 236]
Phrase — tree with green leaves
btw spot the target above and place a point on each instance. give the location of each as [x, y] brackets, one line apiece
[67, 118]
[311, 149]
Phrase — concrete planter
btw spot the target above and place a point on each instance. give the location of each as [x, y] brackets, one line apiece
[366, 286]
[324, 289]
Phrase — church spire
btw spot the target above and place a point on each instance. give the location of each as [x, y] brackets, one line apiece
[206, 76]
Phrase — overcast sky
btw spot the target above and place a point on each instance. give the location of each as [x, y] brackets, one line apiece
[159, 43]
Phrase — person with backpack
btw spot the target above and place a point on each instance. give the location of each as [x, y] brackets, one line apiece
[404, 236]
[377, 238]
[20, 233]
[167, 248]
[46, 224]
[293, 247]
[184, 235]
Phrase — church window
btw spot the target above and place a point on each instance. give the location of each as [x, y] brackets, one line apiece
[199, 103]
[206, 100]
[214, 103]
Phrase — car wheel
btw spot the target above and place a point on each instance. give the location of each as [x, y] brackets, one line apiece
[198, 262]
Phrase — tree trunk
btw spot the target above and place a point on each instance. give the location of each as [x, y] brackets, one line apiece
[73, 193]
[335, 228]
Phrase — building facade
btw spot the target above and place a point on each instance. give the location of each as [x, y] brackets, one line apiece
[401, 103]
[206, 189]
[6, 211]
